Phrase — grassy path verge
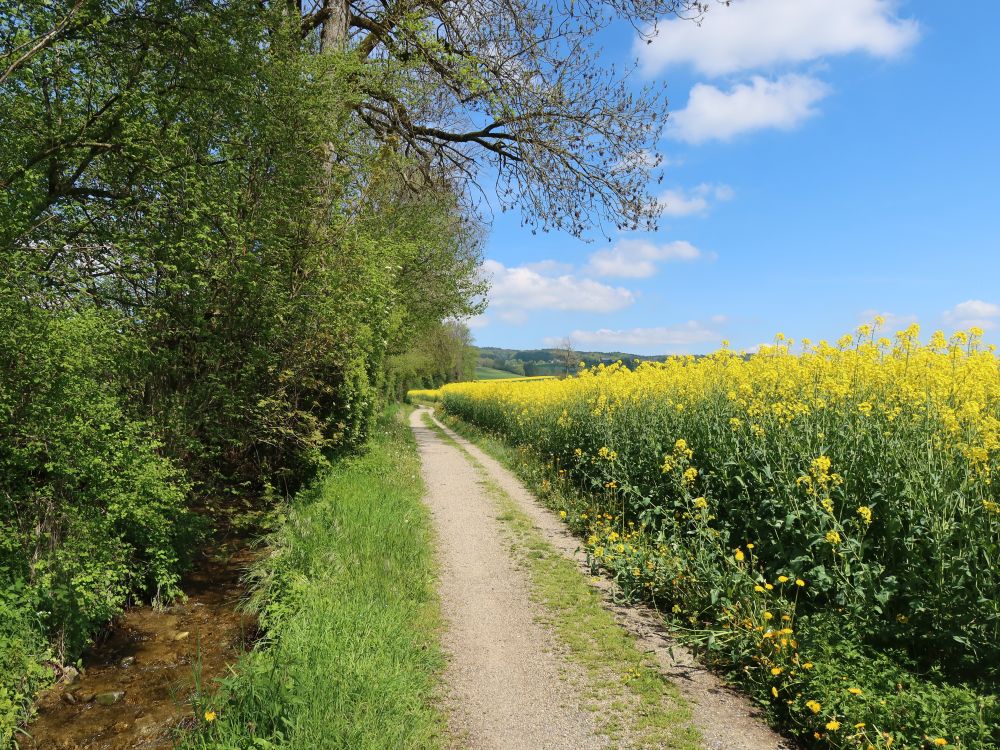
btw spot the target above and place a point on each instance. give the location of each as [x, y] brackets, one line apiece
[347, 600]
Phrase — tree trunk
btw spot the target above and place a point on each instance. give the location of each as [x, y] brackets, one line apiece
[334, 33]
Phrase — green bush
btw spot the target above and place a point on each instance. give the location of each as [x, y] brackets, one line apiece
[89, 512]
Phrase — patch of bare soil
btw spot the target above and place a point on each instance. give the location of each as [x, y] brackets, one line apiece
[135, 688]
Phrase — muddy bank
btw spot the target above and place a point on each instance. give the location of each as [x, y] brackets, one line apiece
[137, 681]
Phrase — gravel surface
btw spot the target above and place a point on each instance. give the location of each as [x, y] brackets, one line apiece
[506, 682]
[726, 719]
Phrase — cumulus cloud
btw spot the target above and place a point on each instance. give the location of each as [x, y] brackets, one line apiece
[749, 35]
[638, 259]
[973, 312]
[714, 114]
[517, 289]
[678, 202]
[659, 340]
[476, 322]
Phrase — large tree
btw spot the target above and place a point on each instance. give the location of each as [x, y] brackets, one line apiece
[513, 92]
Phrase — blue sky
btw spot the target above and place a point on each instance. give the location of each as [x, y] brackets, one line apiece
[827, 160]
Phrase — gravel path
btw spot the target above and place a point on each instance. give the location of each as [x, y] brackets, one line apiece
[505, 677]
[504, 673]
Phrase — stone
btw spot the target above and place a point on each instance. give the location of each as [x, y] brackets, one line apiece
[126, 662]
[69, 675]
[181, 636]
[110, 697]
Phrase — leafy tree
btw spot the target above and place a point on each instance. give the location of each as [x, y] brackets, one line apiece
[512, 90]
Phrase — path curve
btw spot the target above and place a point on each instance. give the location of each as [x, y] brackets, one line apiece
[726, 719]
[505, 678]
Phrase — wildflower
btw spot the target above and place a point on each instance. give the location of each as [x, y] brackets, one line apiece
[854, 691]
[814, 706]
[833, 537]
[774, 692]
[776, 671]
[807, 665]
[940, 741]
[738, 554]
[866, 514]
[210, 715]
[750, 545]
[768, 616]
[690, 474]
[562, 514]
[782, 579]
[799, 582]
[700, 502]
[833, 725]
[758, 588]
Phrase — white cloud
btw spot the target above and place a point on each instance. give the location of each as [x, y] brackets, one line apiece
[661, 339]
[637, 259]
[476, 322]
[517, 289]
[548, 266]
[712, 113]
[893, 321]
[973, 312]
[696, 201]
[754, 34]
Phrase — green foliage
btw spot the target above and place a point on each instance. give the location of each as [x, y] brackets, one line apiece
[442, 354]
[206, 261]
[355, 548]
[89, 512]
[22, 649]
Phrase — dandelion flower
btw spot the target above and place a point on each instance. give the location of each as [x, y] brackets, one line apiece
[814, 706]
[833, 725]
[210, 715]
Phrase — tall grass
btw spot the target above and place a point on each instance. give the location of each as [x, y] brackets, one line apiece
[347, 601]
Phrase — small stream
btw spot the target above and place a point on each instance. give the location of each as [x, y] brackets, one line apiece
[135, 688]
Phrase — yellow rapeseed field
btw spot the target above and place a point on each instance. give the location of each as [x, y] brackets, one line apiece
[809, 500]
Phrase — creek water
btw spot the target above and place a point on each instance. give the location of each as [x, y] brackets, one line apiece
[137, 681]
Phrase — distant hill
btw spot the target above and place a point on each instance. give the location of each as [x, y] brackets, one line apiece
[549, 361]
